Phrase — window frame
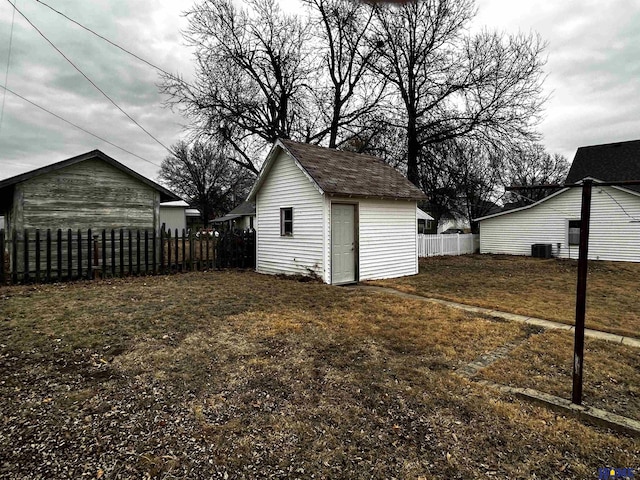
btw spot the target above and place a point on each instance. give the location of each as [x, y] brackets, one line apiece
[284, 222]
[571, 235]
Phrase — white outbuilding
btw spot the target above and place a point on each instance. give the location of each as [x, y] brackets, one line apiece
[553, 223]
[340, 215]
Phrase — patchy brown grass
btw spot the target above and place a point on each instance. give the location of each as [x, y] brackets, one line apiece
[544, 362]
[531, 286]
[204, 375]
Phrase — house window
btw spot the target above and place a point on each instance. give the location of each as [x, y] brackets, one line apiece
[422, 225]
[286, 222]
[574, 232]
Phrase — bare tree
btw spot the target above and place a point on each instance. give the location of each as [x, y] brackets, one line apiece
[347, 92]
[251, 77]
[451, 84]
[530, 165]
[204, 174]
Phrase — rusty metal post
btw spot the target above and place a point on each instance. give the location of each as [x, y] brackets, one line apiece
[581, 294]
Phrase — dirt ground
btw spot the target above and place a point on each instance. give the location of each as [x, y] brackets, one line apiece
[239, 375]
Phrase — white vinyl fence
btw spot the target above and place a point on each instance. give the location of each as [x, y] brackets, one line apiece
[458, 244]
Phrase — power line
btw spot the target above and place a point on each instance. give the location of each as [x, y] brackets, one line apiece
[7, 89]
[6, 74]
[90, 81]
[112, 42]
[634, 219]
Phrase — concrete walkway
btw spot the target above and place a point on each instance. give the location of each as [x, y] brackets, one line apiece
[540, 322]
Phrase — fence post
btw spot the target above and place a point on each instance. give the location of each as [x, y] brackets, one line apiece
[168, 250]
[458, 242]
[96, 253]
[176, 240]
[14, 257]
[38, 255]
[161, 250]
[79, 240]
[146, 252]
[130, 245]
[121, 252]
[25, 275]
[113, 253]
[59, 253]
[138, 251]
[69, 254]
[89, 251]
[3, 274]
[104, 252]
[48, 247]
[184, 260]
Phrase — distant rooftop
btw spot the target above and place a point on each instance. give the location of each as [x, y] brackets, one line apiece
[609, 162]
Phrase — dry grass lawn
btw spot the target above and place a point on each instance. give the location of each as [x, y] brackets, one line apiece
[532, 286]
[544, 362]
[238, 375]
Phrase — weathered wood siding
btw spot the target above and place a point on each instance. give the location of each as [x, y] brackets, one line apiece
[614, 235]
[89, 194]
[287, 186]
[386, 238]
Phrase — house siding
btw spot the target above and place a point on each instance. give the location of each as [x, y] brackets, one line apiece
[613, 236]
[386, 238]
[173, 217]
[89, 194]
[302, 253]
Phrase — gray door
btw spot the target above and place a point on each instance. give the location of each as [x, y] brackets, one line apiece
[343, 243]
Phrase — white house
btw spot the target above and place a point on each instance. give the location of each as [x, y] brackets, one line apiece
[340, 215]
[173, 215]
[425, 221]
[242, 217]
[177, 215]
[614, 228]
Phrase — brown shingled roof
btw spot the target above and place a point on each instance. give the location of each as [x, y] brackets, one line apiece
[340, 172]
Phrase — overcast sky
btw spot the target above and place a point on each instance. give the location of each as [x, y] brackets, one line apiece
[593, 75]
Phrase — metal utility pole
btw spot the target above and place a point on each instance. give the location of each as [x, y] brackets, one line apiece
[583, 266]
[581, 292]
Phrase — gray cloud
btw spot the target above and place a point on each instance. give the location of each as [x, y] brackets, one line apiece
[31, 138]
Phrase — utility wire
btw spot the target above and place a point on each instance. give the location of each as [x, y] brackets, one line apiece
[602, 189]
[111, 42]
[91, 81]
[7, 89]
[6, 73]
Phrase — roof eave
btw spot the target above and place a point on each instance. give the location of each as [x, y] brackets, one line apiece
[165, 194]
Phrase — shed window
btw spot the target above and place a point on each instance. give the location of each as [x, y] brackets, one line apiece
[286, 222]
[574, 232]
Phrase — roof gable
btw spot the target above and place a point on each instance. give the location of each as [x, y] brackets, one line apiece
[165, 194]
[549, 197]
[337, 172]
[609, 163]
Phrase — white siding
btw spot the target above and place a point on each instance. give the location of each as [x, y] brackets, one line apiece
[613, 235]
[387, 238]
[287, 186]
[173, 217]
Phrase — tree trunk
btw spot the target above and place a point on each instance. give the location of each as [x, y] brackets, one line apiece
[413, 151]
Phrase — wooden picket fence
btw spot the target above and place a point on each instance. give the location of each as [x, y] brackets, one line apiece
[456, 244]
[57, 256]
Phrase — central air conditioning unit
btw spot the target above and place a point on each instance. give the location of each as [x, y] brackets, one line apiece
[541, 250]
